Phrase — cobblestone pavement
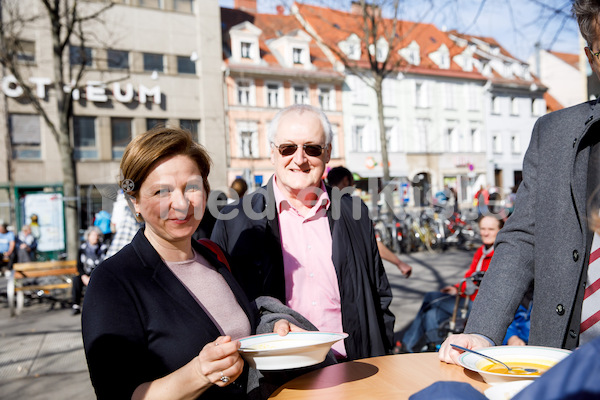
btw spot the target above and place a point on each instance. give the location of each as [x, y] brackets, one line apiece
[41, 351]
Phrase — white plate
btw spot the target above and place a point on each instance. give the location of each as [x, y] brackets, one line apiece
[542, 355]
[506, 391]
[297, 349]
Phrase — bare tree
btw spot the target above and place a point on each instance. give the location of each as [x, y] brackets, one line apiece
[67, 20]
[380, 40]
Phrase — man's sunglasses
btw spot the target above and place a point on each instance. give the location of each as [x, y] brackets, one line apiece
[313, 150]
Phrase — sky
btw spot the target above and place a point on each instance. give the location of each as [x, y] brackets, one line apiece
[516, 24]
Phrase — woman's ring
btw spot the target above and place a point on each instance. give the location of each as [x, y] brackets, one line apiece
[224, 378]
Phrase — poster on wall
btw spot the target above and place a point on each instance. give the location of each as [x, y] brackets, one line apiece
[49, 209]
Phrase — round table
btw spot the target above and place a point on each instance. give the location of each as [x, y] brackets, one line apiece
[388, 377]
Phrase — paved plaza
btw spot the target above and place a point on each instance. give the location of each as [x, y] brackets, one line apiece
[41, 351]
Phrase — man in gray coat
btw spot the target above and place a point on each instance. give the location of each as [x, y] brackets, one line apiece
[547, 240]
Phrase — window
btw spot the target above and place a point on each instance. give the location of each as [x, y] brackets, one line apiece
[186, 6]
[84, 138]
[273, 95]
[118, 59]
[185, 65]
[358, 138]
[80, 56]
[335, 152]
[154, 122]
[153, 62]
[495, 105]
[246, 50]
[422, 134]
[353, 51]
[192, 126]
[392, 138]
[326, 100]
[150, 3]
[243, 92]
[452, 139]
[387, 92]
[247, 140]
[421, 95]
[301, 95]
[26, 51]
[359, 90]
[473, 97]
[514, 144]
[120, 135]
[475, 139]
[514, 106]
[450, 98]
[297, 56]
[496, 144]
[25, 136]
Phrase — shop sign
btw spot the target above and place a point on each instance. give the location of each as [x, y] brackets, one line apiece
[93, 91]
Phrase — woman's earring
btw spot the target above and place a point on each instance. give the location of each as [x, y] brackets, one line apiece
[138, 215]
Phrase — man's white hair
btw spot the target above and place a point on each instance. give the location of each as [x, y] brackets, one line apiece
[301, 108]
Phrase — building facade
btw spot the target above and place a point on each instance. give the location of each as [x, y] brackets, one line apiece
[147, 63]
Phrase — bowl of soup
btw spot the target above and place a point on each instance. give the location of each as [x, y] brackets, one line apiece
[294, 350]
[522, 358]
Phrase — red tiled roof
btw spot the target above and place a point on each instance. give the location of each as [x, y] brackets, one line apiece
[273, 26]
[571, 59]
[551, 103]
[334, 26]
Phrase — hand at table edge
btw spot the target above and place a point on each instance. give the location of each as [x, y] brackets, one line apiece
[450, 355]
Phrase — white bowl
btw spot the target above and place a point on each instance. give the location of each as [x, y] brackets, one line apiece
[507, 390]
[547, 356]
[297, 349]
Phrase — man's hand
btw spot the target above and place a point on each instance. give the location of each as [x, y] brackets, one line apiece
[450, 355]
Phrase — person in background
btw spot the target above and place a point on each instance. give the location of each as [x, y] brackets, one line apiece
[161, 317]
[124, 223]
[102, 221]
[35, 227]
[240, 187]
[294, 241]
[7, 247]
[91, 253]
[549, 240]
[341, 178]
[439, 306]
[26, 245]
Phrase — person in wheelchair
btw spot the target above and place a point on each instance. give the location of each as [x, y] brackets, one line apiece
[439, 306]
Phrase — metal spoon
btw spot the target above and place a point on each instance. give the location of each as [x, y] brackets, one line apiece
[528, 370]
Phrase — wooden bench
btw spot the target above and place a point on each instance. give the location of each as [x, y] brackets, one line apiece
[63, 270]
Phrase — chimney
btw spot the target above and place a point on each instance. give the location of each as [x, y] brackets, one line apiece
[248, 6]
[356, 8]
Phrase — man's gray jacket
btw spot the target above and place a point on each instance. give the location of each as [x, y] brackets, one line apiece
[252, 241]
[546, 240]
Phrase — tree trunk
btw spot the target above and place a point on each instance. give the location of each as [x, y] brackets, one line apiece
[387, 192]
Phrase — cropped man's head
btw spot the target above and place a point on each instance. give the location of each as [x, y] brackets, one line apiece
[587, 13]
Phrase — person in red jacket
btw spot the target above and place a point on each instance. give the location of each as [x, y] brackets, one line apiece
[438, 306]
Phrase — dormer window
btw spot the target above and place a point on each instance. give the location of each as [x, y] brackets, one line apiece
[297, 55]
[246, 50]
[353, 51]
[411, 53]
[445, 61]
[351, 47]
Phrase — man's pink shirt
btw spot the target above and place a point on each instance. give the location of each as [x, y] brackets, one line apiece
[311, 285]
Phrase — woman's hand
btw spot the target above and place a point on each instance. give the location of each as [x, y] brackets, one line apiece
[219, 362]
[283, 327]
[85, 279]
[450, 355]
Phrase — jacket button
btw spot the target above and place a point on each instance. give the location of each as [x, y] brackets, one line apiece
[560, 309]
[575, 255]
[572, 334]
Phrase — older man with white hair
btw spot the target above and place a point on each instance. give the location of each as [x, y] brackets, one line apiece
[312, 248]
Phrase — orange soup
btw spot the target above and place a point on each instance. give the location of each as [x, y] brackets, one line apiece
[499, 369]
